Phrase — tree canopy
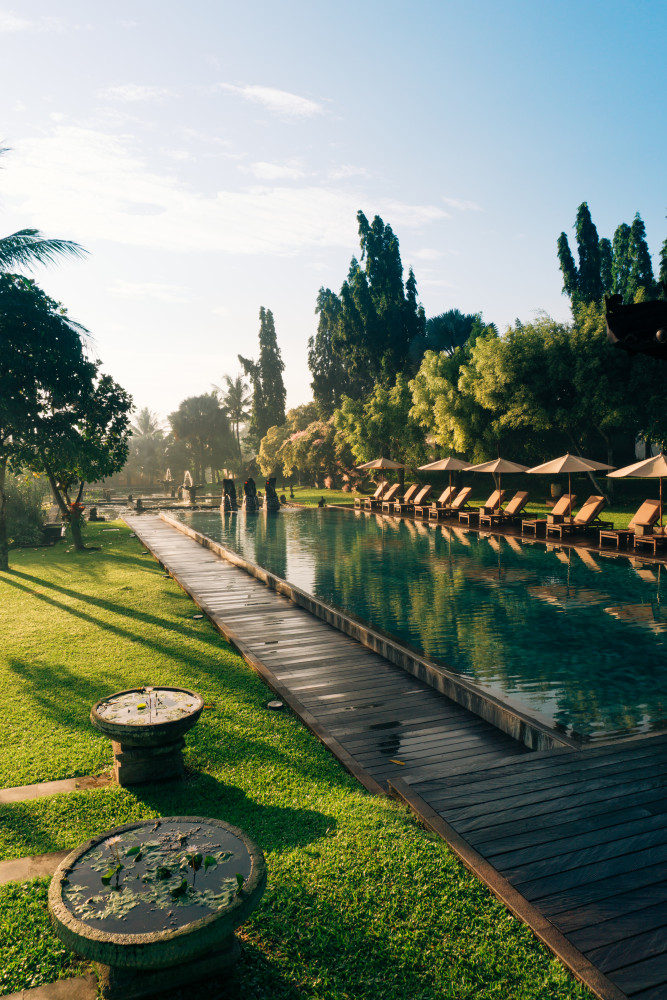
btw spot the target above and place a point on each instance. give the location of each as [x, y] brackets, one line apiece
[202, 426]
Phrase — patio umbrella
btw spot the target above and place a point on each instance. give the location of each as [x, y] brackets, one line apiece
[448, 464]
[498, 465]
[383, 463]
[568, 463]
[648, 468]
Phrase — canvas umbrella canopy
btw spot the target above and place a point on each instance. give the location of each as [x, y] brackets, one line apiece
[498, 465]
[648, 468]
[448, 464]
[382, 463]
[568, 463]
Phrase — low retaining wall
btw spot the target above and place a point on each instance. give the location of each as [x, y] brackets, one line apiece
[523, 728]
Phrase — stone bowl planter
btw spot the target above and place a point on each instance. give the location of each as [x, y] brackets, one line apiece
[146, 727]
[155, 903]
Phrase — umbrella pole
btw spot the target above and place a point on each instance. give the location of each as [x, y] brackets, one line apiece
[661, 501]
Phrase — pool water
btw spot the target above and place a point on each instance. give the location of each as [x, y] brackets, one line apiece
[574, 638]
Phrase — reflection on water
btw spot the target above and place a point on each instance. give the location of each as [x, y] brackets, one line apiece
[571, 635]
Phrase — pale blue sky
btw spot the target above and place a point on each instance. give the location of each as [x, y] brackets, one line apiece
[212, 157]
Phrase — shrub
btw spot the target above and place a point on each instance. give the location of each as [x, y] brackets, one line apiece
[25, 509]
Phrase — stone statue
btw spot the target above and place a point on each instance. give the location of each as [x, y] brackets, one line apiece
[249, 495]
[272, 503]
[228, 502]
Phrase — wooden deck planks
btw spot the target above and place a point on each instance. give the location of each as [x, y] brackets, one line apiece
[582, 835]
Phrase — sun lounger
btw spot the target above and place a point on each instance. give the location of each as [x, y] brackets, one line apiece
[508, 515]
[388, 502]
[459, 503]
[658, 537]
[445, 498]
[561, 509]
[370, 503]
[380, 491]
[646, 516]
[401, 507]
[491, 505]
[586, 520]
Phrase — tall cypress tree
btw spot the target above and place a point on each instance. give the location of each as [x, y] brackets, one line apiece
[606, 265]
[326, 365]
[266, 378]
[588, 250]
[621, 260]
[641, 269]
[662, 273]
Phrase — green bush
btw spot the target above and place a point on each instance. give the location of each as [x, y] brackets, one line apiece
[25, 509]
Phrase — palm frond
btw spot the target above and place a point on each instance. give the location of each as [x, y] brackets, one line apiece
[28, 247]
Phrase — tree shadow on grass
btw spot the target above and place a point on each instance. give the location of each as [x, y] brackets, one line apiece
[274, 828]
[110, 606]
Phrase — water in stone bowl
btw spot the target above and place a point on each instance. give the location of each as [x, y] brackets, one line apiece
[147, 716]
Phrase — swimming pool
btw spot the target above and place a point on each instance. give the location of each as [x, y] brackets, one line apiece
[562, 633]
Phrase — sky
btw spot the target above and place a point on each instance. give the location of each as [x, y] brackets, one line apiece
[212, 157]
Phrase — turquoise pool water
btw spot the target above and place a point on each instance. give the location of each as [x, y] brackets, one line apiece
[579, 639]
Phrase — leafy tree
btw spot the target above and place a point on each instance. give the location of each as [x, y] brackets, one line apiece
[147, 445]
[326, 365]
[84, 444]
[202, 426]
[266, 378]
[382, 425]
[55, 407]
[366, 333]
[449, 416]
[28, 247]
[235, 402]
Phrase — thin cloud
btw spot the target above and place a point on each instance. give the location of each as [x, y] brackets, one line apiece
[280, 102]
[275, 171]
[150, 290]
[132, 92]
[11, 22]
[462, 205]
[345, 171]
[90, 186]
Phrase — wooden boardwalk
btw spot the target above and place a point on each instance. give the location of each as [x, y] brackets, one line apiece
[575, 842]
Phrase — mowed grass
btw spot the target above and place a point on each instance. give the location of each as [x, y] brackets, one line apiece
[361, 901]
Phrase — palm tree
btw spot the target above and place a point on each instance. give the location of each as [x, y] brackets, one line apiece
[235, 402]
[147, 444]
[28, 247]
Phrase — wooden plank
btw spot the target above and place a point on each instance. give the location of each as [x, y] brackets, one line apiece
[600, 911]
[624, 925]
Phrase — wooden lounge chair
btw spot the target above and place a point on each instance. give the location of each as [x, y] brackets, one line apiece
[370, 503]
[507, 515]
[403, 507]
[658, 537]
[459, 503]
[445, 498]
[380, 491]
[388, 502]
[561, 509]
[646, 516]
[491, 505]
[586, 520]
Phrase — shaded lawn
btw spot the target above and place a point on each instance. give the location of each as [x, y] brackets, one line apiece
[361, 901]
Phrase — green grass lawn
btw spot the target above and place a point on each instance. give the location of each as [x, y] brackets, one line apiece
[361, 901]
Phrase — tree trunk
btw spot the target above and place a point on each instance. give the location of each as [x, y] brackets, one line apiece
[71, 518]
[4, 547]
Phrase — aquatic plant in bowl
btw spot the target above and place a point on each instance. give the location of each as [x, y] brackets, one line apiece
[157, 895]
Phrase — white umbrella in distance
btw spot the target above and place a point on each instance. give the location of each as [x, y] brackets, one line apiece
[648, 468]
[568, 463]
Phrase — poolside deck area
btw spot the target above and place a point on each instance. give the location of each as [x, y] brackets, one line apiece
[574, 841]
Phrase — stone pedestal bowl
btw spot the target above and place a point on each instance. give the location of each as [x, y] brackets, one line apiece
[146, 727]
[166, 917]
